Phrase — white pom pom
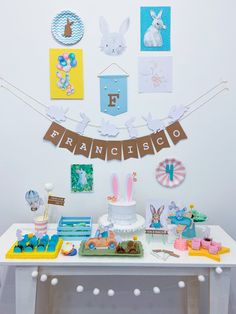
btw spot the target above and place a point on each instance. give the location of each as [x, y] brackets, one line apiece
[48, 187]
[80, 289]
[54, 281]
[181, 284]
[201, 278]
[110, 293]
[96, 291]
[34, 274]
[156, 290]
[43, 277]
[137, 292]
[219, 270]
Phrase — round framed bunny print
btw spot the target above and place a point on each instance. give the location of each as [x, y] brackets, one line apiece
[67, 28]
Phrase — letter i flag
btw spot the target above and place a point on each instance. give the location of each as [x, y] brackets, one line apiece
[130, 149]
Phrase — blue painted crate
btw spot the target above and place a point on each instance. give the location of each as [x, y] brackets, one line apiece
[74, 228]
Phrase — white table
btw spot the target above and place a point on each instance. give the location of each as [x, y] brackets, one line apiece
[148, 265]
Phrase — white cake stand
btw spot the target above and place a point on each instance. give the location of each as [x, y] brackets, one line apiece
[137, 226]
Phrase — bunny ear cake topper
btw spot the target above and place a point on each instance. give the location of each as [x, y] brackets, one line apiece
[113, 43]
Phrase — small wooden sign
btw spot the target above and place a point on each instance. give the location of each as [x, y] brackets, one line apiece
[156, 231]
[54, 200]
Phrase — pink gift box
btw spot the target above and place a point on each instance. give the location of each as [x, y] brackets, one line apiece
[206, 243]
[218, 244]
[213, 249]
[196, 243]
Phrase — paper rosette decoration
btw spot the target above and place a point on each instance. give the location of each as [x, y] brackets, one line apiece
[170, 173]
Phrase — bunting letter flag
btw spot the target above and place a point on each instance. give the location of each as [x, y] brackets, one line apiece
[114, 150]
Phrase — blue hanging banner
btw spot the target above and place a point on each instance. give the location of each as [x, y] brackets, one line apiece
[113, 91]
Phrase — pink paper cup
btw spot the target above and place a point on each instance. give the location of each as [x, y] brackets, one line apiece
[181, 244]
[41, 225]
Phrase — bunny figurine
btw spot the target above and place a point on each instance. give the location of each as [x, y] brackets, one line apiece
[68, 29]
[153, 37]
[113, 44]
[156, 217]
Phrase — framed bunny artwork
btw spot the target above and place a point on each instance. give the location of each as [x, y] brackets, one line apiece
[67, 28]
[82, 178]
[66, 73]
[157, 216]
[155, 28]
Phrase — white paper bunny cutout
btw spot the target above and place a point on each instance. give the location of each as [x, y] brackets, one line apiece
[57, 113]
[176, 112]
[154, 124]
[133, 133]
[81, 126]
[113, 44]
[108, 129]
[153, 37]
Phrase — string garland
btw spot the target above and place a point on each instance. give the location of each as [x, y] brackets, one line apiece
[187, 114]
[136, 291]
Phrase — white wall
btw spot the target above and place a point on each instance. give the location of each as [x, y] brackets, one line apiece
[203, 50]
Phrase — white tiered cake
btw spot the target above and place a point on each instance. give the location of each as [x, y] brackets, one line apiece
[122, 212]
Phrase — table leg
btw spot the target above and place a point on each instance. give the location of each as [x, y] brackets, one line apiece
[26, 288]
[192, 295]
[219, 286]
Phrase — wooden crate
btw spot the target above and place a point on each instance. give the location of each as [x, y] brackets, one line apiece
[74, 228]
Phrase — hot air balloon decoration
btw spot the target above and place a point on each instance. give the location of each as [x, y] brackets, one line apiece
[34, 200]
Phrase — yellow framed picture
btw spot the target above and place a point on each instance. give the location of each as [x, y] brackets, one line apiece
[66, 74]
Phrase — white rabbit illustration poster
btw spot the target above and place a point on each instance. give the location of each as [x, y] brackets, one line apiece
[82, 178]
[66, 74]
[155, 74]
[155, 28]
[157, 212]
